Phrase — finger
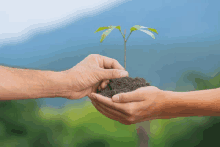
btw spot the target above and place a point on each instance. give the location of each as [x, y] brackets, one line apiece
[122, 107]
[100, 85]
[95, 87]
[113, 112]
[107, 114]
[111, 63]
[133, 96]
[111, 116]
[104, 83]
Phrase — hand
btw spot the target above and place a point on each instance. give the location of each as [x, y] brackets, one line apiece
[92, 73]
[143, 104]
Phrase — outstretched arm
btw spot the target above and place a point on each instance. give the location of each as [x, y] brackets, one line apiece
[193, 103]
[75, 83]
[18, 84]
[148, 103]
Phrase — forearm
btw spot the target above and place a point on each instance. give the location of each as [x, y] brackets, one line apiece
[193, 103]
[18, 84]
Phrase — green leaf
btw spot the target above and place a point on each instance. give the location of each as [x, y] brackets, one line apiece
[105, 34]
[132, 29]
[119, 28]
[101, 29]
[135, 28]
[149, 33]
[102, 37]
[153, 30]
[138, 27]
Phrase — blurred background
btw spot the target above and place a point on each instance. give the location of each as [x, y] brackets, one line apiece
[56, 35]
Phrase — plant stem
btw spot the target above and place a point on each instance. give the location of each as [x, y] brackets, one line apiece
[125, 49]
[125, 40]
[129, 35]
[125, 54]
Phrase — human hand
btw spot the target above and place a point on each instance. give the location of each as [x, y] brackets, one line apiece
[143, 104]
[92, 73]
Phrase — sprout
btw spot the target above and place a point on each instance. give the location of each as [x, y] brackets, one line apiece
[134, 28]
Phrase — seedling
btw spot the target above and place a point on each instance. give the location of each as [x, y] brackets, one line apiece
[134, 28]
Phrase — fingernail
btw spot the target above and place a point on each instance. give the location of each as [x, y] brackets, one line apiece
[123, 73]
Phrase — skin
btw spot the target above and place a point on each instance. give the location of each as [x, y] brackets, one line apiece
[132, 107]
[92, 73]
[75, 83]
[148, 103]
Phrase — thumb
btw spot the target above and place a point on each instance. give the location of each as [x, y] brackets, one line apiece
[133, 96]
[114, 74]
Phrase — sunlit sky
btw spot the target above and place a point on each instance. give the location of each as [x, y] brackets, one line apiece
[22, 17]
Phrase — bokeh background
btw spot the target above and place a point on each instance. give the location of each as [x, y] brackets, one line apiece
[56, 35]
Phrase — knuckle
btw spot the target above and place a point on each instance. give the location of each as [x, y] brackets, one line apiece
[92, 55]
[116, 61]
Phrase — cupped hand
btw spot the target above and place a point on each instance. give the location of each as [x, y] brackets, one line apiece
[91, 73]
[143, 104]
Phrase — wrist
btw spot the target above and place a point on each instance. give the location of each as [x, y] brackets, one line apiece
[178, 104]
[61, 86]
[193, 103]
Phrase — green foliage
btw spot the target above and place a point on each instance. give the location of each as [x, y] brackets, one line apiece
[203, 84]
[101, 29]
[134, 28]
[105, 34]
[215, 81]
[119, 28]
[23, 124]
[187, 131]
[138, 27]
[153, 30]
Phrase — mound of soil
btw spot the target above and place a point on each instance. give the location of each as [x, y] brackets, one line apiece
[122, 85]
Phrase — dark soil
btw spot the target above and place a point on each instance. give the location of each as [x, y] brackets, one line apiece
[122, 85]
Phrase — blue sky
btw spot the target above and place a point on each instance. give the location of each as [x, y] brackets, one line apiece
[56, 35]
[172, 19]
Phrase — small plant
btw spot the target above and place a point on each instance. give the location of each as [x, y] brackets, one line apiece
[134, 28]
